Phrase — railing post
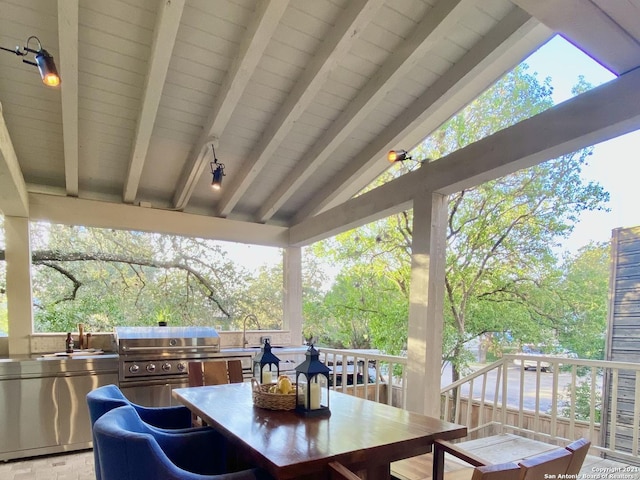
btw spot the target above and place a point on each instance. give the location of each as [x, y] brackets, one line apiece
[636, 417]
[505, 382]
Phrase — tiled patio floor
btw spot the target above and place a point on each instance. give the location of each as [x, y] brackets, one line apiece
[70, 466]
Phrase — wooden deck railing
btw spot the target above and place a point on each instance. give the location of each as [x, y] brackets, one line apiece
[558, 406]
[367, 374]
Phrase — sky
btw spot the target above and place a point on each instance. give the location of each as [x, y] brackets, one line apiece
[611, 164]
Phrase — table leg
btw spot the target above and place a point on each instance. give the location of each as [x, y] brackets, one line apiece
[438, 462]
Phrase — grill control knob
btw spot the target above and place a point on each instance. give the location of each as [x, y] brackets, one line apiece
[151, 368]
[181, 367]
[134, 368]
[166, 366]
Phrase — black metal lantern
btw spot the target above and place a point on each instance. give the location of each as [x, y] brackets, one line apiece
[312, 385]
[266, 359]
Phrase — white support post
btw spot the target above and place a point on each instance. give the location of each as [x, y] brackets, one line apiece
[19, 304]
[292, 308]
[424, 344]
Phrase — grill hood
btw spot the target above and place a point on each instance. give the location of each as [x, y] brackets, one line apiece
[138, 339]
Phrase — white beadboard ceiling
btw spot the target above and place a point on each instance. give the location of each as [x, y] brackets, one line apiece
[301, 98]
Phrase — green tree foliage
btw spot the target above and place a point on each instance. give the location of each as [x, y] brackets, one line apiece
[501, 271]
[367, 304]
[262, 296]
[104, 278]
[585, 288]
[580, 404]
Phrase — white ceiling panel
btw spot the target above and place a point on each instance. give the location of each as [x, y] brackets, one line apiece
[242, 74]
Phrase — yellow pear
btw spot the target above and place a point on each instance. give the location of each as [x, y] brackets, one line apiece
[284, 384]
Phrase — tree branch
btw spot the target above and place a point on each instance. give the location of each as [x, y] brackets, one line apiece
[76, 283]
[45, 257]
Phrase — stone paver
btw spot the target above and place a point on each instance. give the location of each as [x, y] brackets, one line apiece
[70, 466]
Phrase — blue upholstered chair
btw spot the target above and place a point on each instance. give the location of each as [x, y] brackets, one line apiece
[106, 398]
[129, 449]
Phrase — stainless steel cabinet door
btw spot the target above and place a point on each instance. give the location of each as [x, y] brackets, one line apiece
[149, 395]
[28, 407]
[74, 424]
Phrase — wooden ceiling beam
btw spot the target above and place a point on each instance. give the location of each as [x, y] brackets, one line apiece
[351, 23]
[68, 40]
[100, 214]
[502, 48]
[259, 33]
[605, 112]
[590, 29]
[432, 28]
[14, 200]
[165, 32]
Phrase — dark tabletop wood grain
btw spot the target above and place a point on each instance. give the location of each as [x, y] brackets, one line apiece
[363, 435]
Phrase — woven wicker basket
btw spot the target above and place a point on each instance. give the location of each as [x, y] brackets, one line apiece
[272, 401]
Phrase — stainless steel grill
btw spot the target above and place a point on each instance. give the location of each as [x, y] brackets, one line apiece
[153, 360]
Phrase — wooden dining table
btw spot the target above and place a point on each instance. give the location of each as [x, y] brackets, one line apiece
[363, 435]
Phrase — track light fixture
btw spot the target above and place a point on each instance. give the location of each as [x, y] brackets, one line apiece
[401, 155]
[398, 156]
[217, 170]
[43, 60]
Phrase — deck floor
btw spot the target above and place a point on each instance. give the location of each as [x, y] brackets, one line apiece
[66, 466]
[507, 448]
[495, 449]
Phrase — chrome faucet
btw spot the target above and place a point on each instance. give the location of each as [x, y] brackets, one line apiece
[244, 328]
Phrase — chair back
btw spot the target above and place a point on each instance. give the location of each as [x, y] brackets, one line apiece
[502, 471]
[557, 463]
[549, 464]
[116, 436]
[108, 397]
[103, 399]
[126, 448]
[130, 449]
[215, 372]
[579, 450]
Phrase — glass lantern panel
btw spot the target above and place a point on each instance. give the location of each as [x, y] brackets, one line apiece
[315, 393]
[302, 381]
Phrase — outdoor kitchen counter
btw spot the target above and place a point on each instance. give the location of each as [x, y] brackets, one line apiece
[25, 366]
[44, 407]
[30, 366]
[78, 361]
[275, 349]
[34, 366]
